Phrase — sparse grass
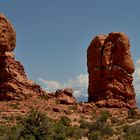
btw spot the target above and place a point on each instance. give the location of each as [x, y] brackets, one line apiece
[65, 120]
[72, 107]
[132, 113]
[57, 101]
[104, 115]
[68, 112]
[75, 119]
[15, 105]
[131, 132]
[9, 118]
[45, 97]
[83, 124]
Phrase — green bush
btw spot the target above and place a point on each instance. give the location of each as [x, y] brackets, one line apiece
[98, 129]
[63, 130]
[105, 129]
[15, 105]
[10, 133]
[104, 116]
[83, 124]
[36, 125]
[131, 132]
[45, 97]
[94, 135]
[65, 120]
[74, 132]
[132, 113]
[59, 131]
[114, 120]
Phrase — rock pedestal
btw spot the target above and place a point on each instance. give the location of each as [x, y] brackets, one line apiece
[13, 80]
[110, 69]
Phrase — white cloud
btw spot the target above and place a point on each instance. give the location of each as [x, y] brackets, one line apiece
[50, 85]
[78, 84]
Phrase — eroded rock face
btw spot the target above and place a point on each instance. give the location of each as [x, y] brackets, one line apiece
[13, 81]
[110, 69]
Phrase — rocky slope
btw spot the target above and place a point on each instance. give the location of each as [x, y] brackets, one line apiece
[110, 69]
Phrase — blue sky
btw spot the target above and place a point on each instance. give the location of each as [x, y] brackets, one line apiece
[53, 35]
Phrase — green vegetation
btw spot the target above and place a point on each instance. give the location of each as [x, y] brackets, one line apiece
[100, 129]
[45, 97]
[15, 105]
[37, 126]
[131, 132]
[72, 107]
[132, 113]
[104, 116]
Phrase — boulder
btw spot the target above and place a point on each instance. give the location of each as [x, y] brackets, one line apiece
[65, 96]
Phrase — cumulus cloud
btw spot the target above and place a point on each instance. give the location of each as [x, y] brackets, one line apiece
[50, 85]
[78, 84]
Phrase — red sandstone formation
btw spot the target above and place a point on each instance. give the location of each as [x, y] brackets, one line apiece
[13, 81]
[65, 96]
[110, 69]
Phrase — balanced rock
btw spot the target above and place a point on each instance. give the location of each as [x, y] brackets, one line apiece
[13, 80]
[65, 96]
[110, 69]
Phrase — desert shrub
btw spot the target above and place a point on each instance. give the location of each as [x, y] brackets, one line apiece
[132, 113]
[99, 129]
[104, 116]
[9, 118]
[15, 105]
[83, 124]
[63, 130]
[131, 132]
[126, 128]
[105, 129]
[65, 120]
[57, 101]
[3, 132]
[36, 126]
[74, 132]
[95, 126]
[59, 131]
[10, 133]
[94, 135]
[45, 97]
[114, 120]
[72, 107]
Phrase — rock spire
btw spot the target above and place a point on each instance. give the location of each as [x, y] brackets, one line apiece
[110, 69]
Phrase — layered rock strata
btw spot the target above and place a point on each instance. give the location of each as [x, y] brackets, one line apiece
[13, 80]
[110, 69]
